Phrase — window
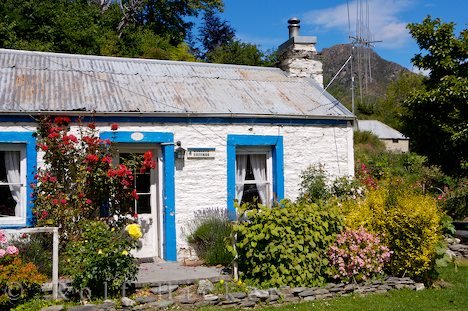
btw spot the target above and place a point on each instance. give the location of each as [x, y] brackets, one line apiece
[395, 141]
[142, 184]
[12, 183]
[254, 176]
[254, 169]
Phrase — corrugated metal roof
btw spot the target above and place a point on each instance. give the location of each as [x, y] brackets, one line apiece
[38, 81]
[379, 129]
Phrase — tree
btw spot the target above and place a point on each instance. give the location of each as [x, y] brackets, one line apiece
[436, 118]
[131, 28]
[168, 17]
[239, 53]
[390, 108]
[215, 32]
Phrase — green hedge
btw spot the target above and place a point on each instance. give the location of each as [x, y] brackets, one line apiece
[286, 244]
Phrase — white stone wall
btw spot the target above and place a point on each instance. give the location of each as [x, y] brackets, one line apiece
[300, 60]
[202, 183]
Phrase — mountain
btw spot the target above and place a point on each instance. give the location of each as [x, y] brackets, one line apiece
[382, 71]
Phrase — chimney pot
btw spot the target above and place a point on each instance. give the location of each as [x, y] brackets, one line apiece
[294, 27]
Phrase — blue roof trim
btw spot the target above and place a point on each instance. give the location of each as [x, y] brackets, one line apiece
[276, 143]
[190, 120]
[29, 140]
[167, 144]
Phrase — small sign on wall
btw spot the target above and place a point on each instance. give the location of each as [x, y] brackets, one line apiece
[201, 153]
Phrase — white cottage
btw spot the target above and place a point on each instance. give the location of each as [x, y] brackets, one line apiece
[246, 131]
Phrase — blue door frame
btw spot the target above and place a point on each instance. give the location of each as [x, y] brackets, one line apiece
[166, 140]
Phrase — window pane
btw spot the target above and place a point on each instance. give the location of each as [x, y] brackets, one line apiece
[144, 204]
[255, 161]
[9, 161]
[7, 203]
[251, 194]
[143, 182]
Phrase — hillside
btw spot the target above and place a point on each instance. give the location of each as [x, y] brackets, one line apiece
[383, 72]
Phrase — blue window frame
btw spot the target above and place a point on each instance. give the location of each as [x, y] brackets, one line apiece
[236, 141]
[28, 143]
[167, 145]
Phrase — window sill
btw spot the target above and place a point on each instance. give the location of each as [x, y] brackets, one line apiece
[6, 222]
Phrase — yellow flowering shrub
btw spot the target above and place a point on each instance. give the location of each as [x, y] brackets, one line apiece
[409, 223]
[134, 230]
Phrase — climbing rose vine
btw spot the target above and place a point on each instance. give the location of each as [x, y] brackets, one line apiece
[78, 180]
[358, 255]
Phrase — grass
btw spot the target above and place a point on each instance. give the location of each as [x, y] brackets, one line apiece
[453, 298]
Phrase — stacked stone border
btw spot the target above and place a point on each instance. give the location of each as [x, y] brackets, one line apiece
[202, 294]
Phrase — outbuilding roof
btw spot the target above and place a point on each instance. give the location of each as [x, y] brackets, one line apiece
[379, 129]
[33, 82]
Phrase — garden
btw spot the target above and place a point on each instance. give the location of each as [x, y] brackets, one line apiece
[387, 227]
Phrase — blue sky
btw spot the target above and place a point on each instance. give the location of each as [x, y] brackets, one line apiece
[264, 22]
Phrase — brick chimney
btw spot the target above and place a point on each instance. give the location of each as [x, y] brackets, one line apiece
[298, 55]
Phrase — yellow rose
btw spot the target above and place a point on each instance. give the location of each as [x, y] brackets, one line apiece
[134, 231]
[124, 252]
[221, 282]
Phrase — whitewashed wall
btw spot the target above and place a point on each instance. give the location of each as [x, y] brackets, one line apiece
[201, 183]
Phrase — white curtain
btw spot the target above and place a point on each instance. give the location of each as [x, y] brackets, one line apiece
[259, 170]
[12, 166]
[241, 170]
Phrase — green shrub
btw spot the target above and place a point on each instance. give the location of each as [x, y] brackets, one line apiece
[455, 200]
[409, 223]
[314, 186]
[101, 259]
[286, 244]
[365, 144]
[345, 188]
[36, 248]
[211, 231]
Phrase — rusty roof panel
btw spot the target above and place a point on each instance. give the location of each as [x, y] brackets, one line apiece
[37, 81]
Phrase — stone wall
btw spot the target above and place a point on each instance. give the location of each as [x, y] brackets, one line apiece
[201, 295]
[301, 60]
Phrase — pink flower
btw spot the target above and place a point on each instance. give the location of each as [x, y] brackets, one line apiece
[89, 201]
[12, 250]
[2, 253]
[3, 238]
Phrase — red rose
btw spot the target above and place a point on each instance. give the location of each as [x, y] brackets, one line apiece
[92, 158]
[92, 126]
[89, 201]
[63, 201]
[53, 135]
[73, 138]
[114, 126]
[107, 159]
